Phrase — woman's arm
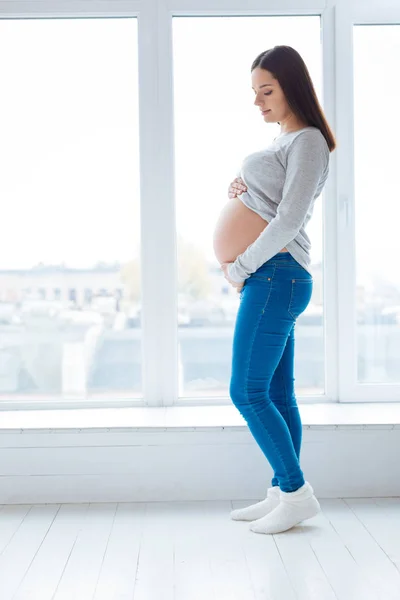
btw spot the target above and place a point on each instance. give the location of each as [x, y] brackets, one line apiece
[308, 157]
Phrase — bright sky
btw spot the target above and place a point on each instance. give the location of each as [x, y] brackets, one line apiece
[69, 122]
[69, 151]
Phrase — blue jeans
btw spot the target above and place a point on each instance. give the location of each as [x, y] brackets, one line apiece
[262, 379]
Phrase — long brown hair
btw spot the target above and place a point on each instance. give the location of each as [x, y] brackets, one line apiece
[287, 66]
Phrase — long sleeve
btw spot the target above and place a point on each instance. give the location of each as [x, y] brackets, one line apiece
[307, 160]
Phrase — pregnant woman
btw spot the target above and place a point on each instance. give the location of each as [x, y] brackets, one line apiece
[264, 251]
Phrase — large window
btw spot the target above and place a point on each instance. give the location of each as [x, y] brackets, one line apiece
[69, 232]
[123, 122]
[377, 210]
[216, 126]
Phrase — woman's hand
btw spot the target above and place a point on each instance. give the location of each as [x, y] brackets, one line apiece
[236, 188]
[238, 286]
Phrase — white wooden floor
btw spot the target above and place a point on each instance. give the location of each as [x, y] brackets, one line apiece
[193, 551]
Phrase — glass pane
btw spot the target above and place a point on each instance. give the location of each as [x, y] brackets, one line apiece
[216, 127]
[69, 243]
[376, 135]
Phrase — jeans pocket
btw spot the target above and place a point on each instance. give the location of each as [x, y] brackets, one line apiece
[300, 296]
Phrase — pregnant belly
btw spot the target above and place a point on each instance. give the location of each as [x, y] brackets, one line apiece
[237, 228]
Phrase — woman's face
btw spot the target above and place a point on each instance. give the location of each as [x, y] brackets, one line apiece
[269, 96]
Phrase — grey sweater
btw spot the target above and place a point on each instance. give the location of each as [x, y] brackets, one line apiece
[283, 181]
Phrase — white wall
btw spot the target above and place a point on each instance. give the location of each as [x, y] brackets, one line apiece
[185, 465]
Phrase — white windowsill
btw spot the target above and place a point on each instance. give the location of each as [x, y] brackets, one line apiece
[193, 418]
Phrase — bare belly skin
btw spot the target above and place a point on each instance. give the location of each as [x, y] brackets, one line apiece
[237, 228]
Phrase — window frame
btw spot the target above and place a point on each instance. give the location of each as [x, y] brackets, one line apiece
[346, 17]
[158, 235]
